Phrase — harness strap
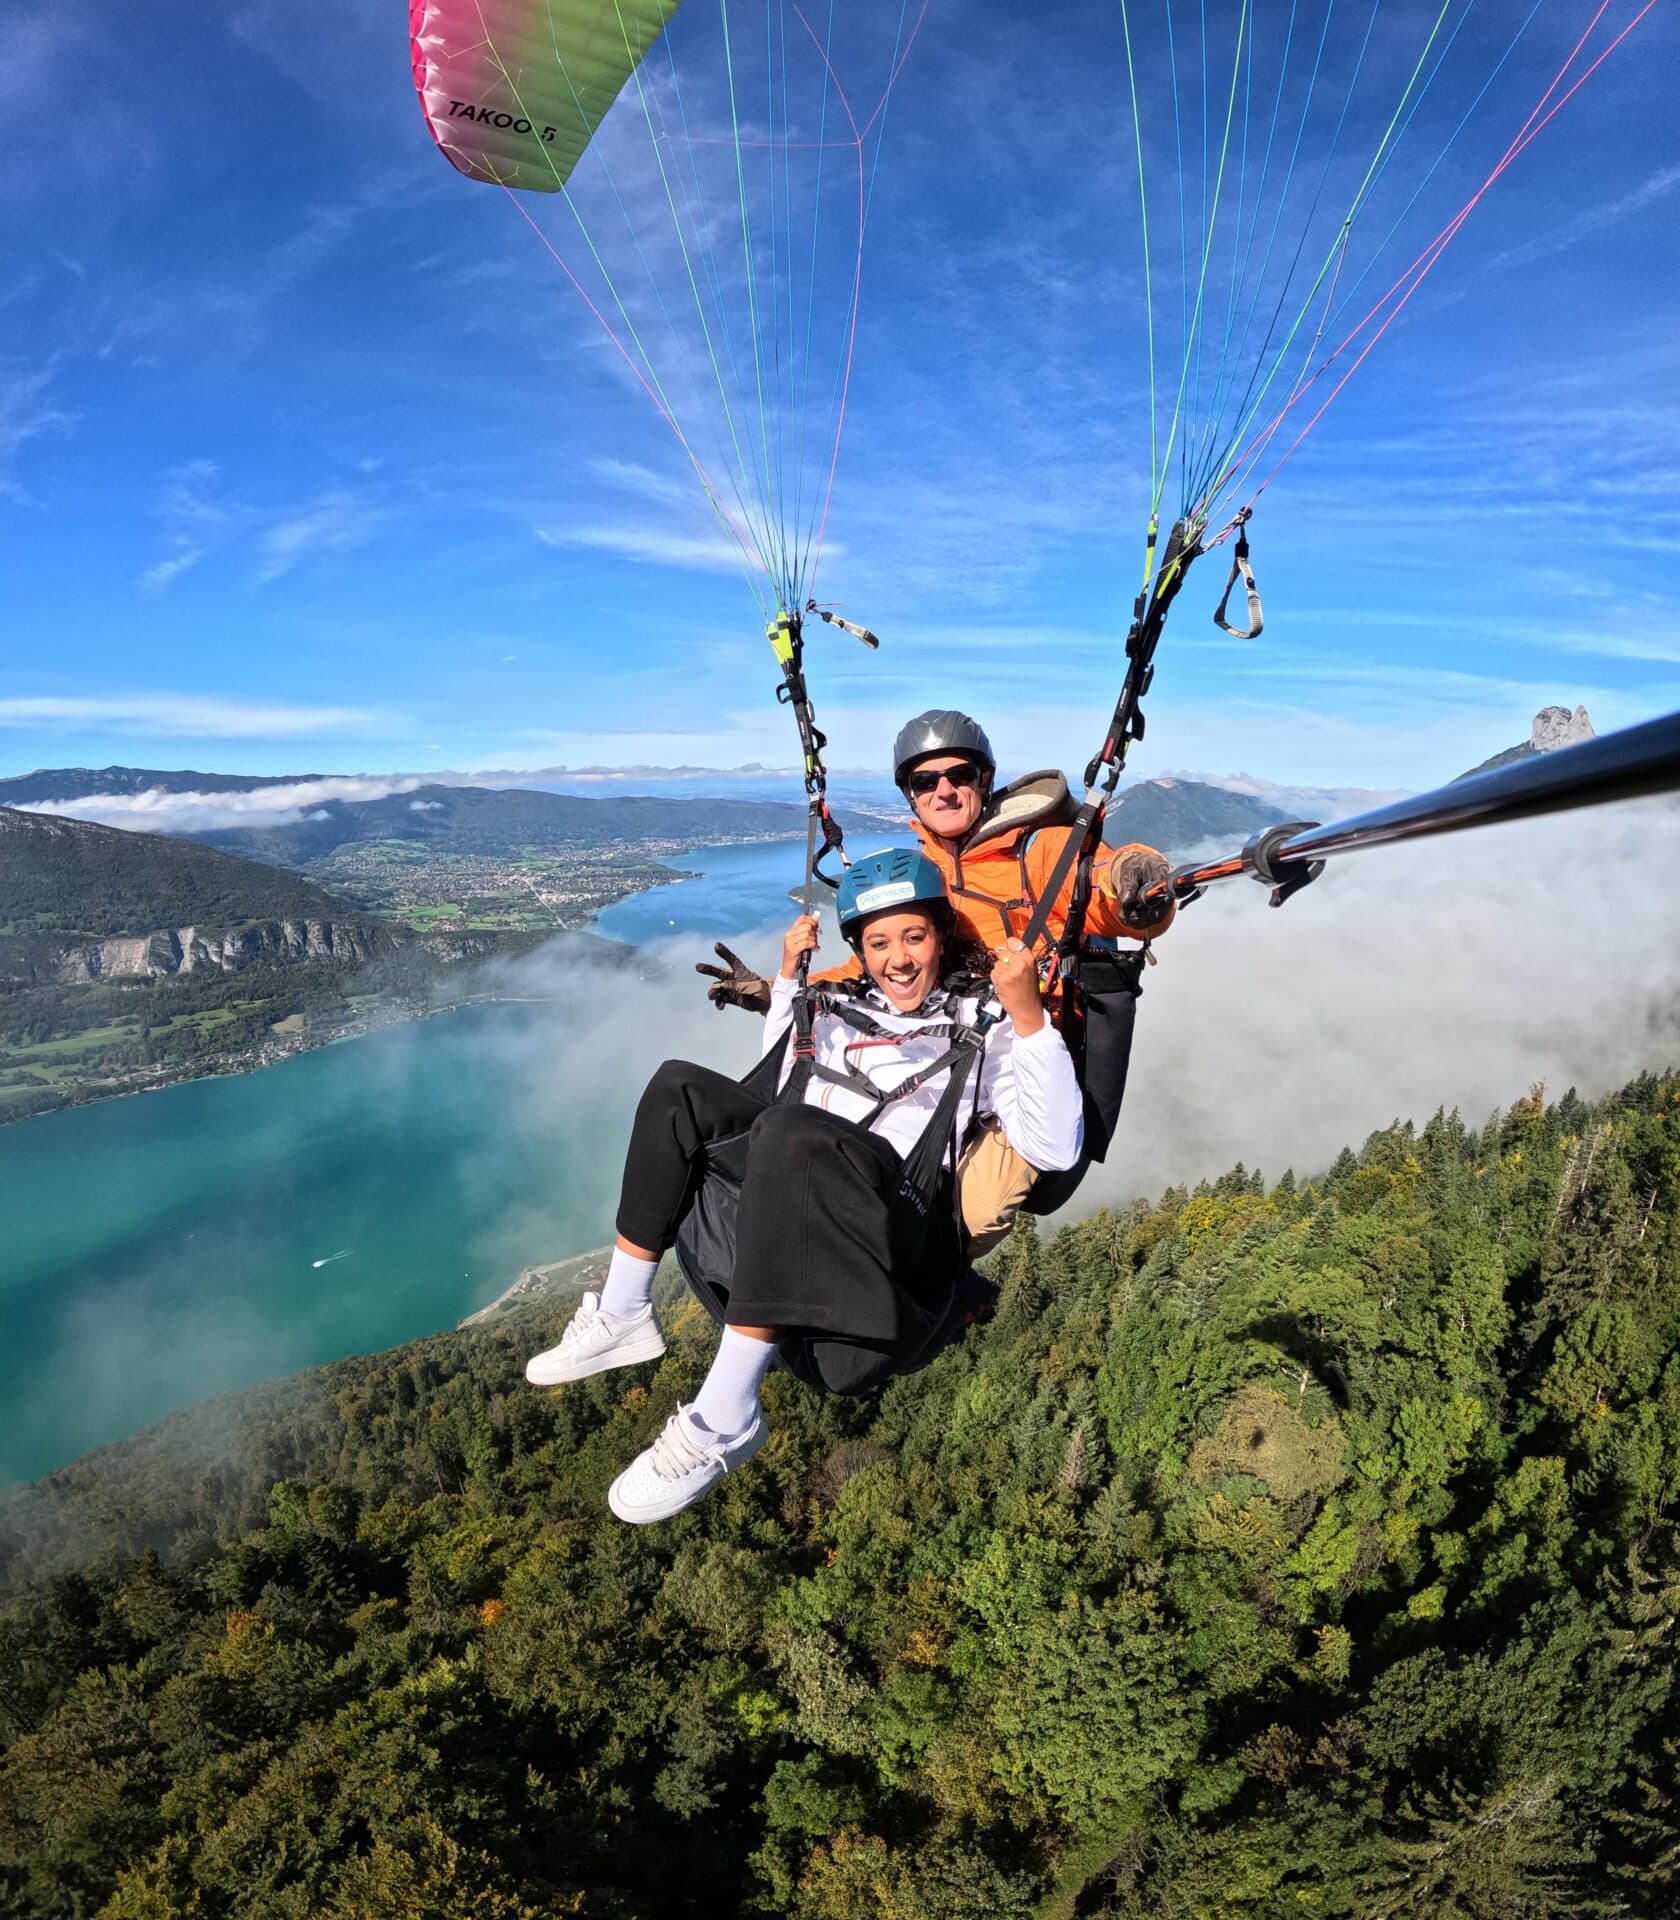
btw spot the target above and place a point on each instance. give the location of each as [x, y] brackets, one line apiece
[936, 1148]
[1256, 617]
[937, 1144]
[803, 1044]
[959, 889]
[883, 1097]
[1083, 839]
[1085, 835]
[860, 1021]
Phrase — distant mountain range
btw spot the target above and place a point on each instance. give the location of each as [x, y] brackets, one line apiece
[491, 820]
[78, 783]
[314, 815]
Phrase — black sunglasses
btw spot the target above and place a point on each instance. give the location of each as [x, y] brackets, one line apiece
[926, 780]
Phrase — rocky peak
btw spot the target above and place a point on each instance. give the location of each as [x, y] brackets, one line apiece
[1556, 727]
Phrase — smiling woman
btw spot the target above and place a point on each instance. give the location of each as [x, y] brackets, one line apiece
[814, 1204]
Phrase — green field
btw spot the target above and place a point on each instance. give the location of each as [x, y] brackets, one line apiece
[84, 1059]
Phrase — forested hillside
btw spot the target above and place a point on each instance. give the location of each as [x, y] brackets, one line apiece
[128, 960]
[1278, 1549]
[64, 879]
[1179, 815]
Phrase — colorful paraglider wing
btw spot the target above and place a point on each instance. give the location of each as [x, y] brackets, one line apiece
[513, 90]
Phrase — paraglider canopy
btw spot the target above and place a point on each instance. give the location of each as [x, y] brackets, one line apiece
[513, 92]
[713, 167]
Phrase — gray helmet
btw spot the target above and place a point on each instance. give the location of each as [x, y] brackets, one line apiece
[940, 730]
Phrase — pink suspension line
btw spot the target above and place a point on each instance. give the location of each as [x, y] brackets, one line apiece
[1425, 260]
[750, 553]
[857, 272]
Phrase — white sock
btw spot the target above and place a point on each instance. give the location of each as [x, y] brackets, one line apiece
[727, 1403]
[627, 1290]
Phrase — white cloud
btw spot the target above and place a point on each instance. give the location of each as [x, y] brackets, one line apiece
[281, 805]
[1610, 213]
[27, 413]
[196, 520]
[170, 569]
[654, 545]
[331, 523]
[1444, 972]
[181, 713]
[199, 518]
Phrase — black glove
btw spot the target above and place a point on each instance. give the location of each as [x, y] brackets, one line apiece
[736, 984]
[1130, 879]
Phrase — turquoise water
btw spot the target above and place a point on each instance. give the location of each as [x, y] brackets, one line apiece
[164, 1246]
[169, 1245]
[738, 887]
[748, 887]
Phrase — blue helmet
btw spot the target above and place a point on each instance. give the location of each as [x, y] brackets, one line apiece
[900, 877]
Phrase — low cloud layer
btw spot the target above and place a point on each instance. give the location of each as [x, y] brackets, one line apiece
[1449, 973]
[1308, 803]
[284, 805]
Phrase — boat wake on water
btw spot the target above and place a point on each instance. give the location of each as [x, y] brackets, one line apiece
[328, 1259]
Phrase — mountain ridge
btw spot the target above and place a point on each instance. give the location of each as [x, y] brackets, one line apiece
[81, 878]
[1178, 816]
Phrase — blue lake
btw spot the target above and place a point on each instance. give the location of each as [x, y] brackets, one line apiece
[169, 1245]
[736, 888]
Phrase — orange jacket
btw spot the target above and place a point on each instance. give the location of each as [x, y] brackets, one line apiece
[1000, 875]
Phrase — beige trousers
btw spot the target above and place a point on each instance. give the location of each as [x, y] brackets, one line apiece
[992, 1181]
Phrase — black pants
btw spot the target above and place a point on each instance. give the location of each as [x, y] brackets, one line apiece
[825, 1243]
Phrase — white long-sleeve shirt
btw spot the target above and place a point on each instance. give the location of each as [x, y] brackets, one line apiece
[1026, 1080]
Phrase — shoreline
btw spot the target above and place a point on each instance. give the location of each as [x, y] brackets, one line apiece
[573, 1275]
[282, 1048]
[538, 1282]
[289, 1048]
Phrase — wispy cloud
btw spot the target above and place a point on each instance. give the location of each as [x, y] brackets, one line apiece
[655, 545]
[27, 413]
[322, 232]
[62, 69]
[283, 804]
[182, 713]
[1611, 213]
[199, 518]
[333, 522]
[196, 521]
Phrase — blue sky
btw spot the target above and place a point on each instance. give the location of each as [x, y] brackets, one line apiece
[311, 461]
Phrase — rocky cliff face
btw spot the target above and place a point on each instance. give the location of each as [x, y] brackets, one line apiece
[1553, 727]
[195, 950]
[1556, 727]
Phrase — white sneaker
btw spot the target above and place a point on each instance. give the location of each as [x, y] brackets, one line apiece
[683, 1463]
[596, 1343]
